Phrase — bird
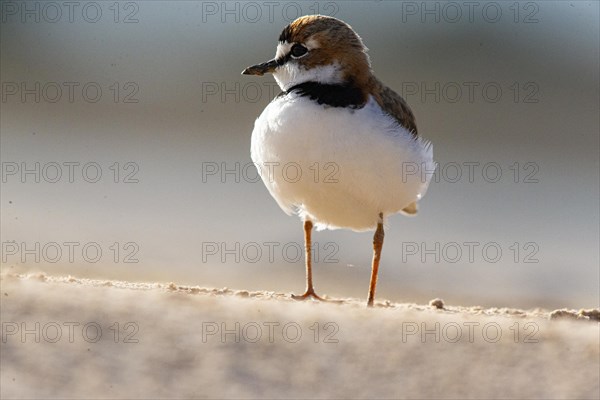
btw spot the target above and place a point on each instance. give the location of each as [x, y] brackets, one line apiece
[337, 147]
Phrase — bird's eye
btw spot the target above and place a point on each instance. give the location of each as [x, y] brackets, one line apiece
[298, 50]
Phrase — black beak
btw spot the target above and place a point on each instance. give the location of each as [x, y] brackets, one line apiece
[261, 69]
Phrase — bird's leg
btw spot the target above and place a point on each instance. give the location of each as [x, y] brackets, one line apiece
[310, 290]
[377, 246]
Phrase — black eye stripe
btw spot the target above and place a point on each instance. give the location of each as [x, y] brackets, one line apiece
[282, 60]
[298, 50]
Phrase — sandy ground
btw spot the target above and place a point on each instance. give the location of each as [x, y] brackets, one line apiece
[64, 337]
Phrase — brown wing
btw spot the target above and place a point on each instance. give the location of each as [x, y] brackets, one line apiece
[395, 105]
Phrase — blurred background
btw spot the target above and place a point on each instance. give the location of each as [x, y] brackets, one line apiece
[125, 148]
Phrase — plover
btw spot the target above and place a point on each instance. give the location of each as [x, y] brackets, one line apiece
[337, 146]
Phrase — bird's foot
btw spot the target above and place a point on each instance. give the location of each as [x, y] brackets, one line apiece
[309, 293]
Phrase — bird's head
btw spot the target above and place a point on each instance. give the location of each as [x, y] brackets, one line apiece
[317, 48]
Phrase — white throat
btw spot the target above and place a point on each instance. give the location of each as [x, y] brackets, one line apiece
[290, 74]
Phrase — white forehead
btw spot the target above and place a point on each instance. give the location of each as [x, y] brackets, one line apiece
[284, 48]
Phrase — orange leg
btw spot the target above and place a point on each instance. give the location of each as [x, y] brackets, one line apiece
[377, 246]
[310, 290]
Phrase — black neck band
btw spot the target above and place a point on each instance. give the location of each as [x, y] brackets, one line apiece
[336, 95]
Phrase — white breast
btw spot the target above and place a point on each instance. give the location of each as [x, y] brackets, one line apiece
[339, 167]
